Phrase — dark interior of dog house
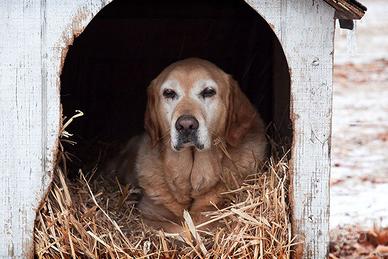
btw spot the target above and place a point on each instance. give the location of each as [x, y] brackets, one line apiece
[109, 66]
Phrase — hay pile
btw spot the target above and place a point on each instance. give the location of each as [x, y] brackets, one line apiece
[97, 219]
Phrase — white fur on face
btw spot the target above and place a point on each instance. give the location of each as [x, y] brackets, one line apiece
[169, 105]
[208, 107]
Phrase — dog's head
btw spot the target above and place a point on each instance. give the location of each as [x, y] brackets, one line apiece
[192, 102]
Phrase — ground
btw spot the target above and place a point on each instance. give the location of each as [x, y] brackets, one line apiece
[359, 178]
[359, 182]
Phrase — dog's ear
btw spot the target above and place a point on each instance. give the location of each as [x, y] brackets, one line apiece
[241, 114]
[151, 120]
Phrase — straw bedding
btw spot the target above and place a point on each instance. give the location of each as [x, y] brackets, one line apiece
[94, 217]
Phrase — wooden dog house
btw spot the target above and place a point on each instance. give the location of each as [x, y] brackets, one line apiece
[281, 52]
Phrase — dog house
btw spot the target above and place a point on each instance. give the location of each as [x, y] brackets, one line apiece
[98, 57]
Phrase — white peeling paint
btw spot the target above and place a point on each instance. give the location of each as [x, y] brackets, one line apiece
[306, 31]
[33, 35]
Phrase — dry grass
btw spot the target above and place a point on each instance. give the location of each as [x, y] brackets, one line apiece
[97, 219]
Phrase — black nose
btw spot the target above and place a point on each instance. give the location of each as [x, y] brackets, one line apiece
[186, 123]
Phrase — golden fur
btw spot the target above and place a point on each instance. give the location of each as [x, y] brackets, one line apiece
[191, 179]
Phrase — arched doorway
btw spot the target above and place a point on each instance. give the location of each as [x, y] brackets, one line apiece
[127, 44]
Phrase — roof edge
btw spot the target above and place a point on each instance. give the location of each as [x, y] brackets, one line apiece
[347, 9]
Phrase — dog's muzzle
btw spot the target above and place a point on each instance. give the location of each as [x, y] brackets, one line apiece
[187, 129]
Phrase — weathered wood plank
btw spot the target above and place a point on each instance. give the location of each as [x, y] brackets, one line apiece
[306, 31]
[33, 36]
[309, 40]
[20, 124]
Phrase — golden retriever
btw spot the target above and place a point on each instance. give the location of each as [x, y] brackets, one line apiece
[199, 125]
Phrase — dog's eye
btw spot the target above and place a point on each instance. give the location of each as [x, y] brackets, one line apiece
[208, 92]
[170, 94]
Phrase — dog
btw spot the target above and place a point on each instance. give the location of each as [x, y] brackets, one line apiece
[198, 126]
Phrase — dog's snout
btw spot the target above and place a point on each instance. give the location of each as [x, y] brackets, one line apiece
[186, 123]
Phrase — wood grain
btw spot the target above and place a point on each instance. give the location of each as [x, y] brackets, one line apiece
[33, 36]
[306, 31]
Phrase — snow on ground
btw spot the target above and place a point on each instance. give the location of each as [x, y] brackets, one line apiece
[371, 39]
[359, 179]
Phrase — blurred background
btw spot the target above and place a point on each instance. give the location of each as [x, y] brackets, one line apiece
[359, 178]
